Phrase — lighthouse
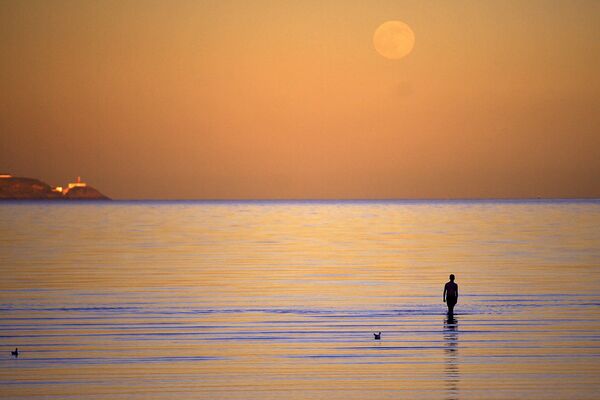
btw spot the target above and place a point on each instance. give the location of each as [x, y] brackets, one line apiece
[77, 184]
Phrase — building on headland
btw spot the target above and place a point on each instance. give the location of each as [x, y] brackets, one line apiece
[82, 191]
[77, 184]
[71, 185]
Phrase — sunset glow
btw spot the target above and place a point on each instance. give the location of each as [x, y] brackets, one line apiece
[262, 99]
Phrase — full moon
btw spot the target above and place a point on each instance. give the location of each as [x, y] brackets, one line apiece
[394, 39]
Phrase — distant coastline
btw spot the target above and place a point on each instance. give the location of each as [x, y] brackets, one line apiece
[21, 188]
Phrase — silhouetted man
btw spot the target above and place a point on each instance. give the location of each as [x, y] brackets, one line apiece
[451, 294]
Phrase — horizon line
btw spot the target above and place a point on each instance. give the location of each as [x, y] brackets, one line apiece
[291, 199]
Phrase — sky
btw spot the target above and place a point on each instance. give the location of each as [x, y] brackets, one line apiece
[290, 100]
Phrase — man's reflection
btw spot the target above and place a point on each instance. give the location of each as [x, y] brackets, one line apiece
[451, 357]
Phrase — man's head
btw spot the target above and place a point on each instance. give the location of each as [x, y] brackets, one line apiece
[452, 277]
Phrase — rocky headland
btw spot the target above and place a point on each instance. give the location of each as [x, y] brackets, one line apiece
[18, 188]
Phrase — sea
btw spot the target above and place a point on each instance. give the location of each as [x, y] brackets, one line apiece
[281, 299]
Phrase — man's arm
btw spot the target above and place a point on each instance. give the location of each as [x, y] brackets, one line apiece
[444, 295]
[457, 292]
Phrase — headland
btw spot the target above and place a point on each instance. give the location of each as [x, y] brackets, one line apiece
[21, 188]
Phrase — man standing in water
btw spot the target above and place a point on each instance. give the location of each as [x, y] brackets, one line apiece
[451, 294]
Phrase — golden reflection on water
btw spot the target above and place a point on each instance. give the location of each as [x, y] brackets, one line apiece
[263, 300]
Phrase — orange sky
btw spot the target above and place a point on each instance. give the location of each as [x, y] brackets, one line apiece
[276, 99]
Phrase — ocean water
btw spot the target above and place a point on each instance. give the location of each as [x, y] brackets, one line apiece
[271, 300]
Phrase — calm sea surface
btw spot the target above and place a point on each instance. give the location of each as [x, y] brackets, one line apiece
[271, 300]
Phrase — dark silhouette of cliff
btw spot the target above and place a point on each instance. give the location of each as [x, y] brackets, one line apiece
[16, 188]
[25, 189]
[84, 193]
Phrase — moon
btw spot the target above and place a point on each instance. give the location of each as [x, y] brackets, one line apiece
[394, 39]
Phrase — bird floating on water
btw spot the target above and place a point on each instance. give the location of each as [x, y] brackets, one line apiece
[15, 353]
[377, 336]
